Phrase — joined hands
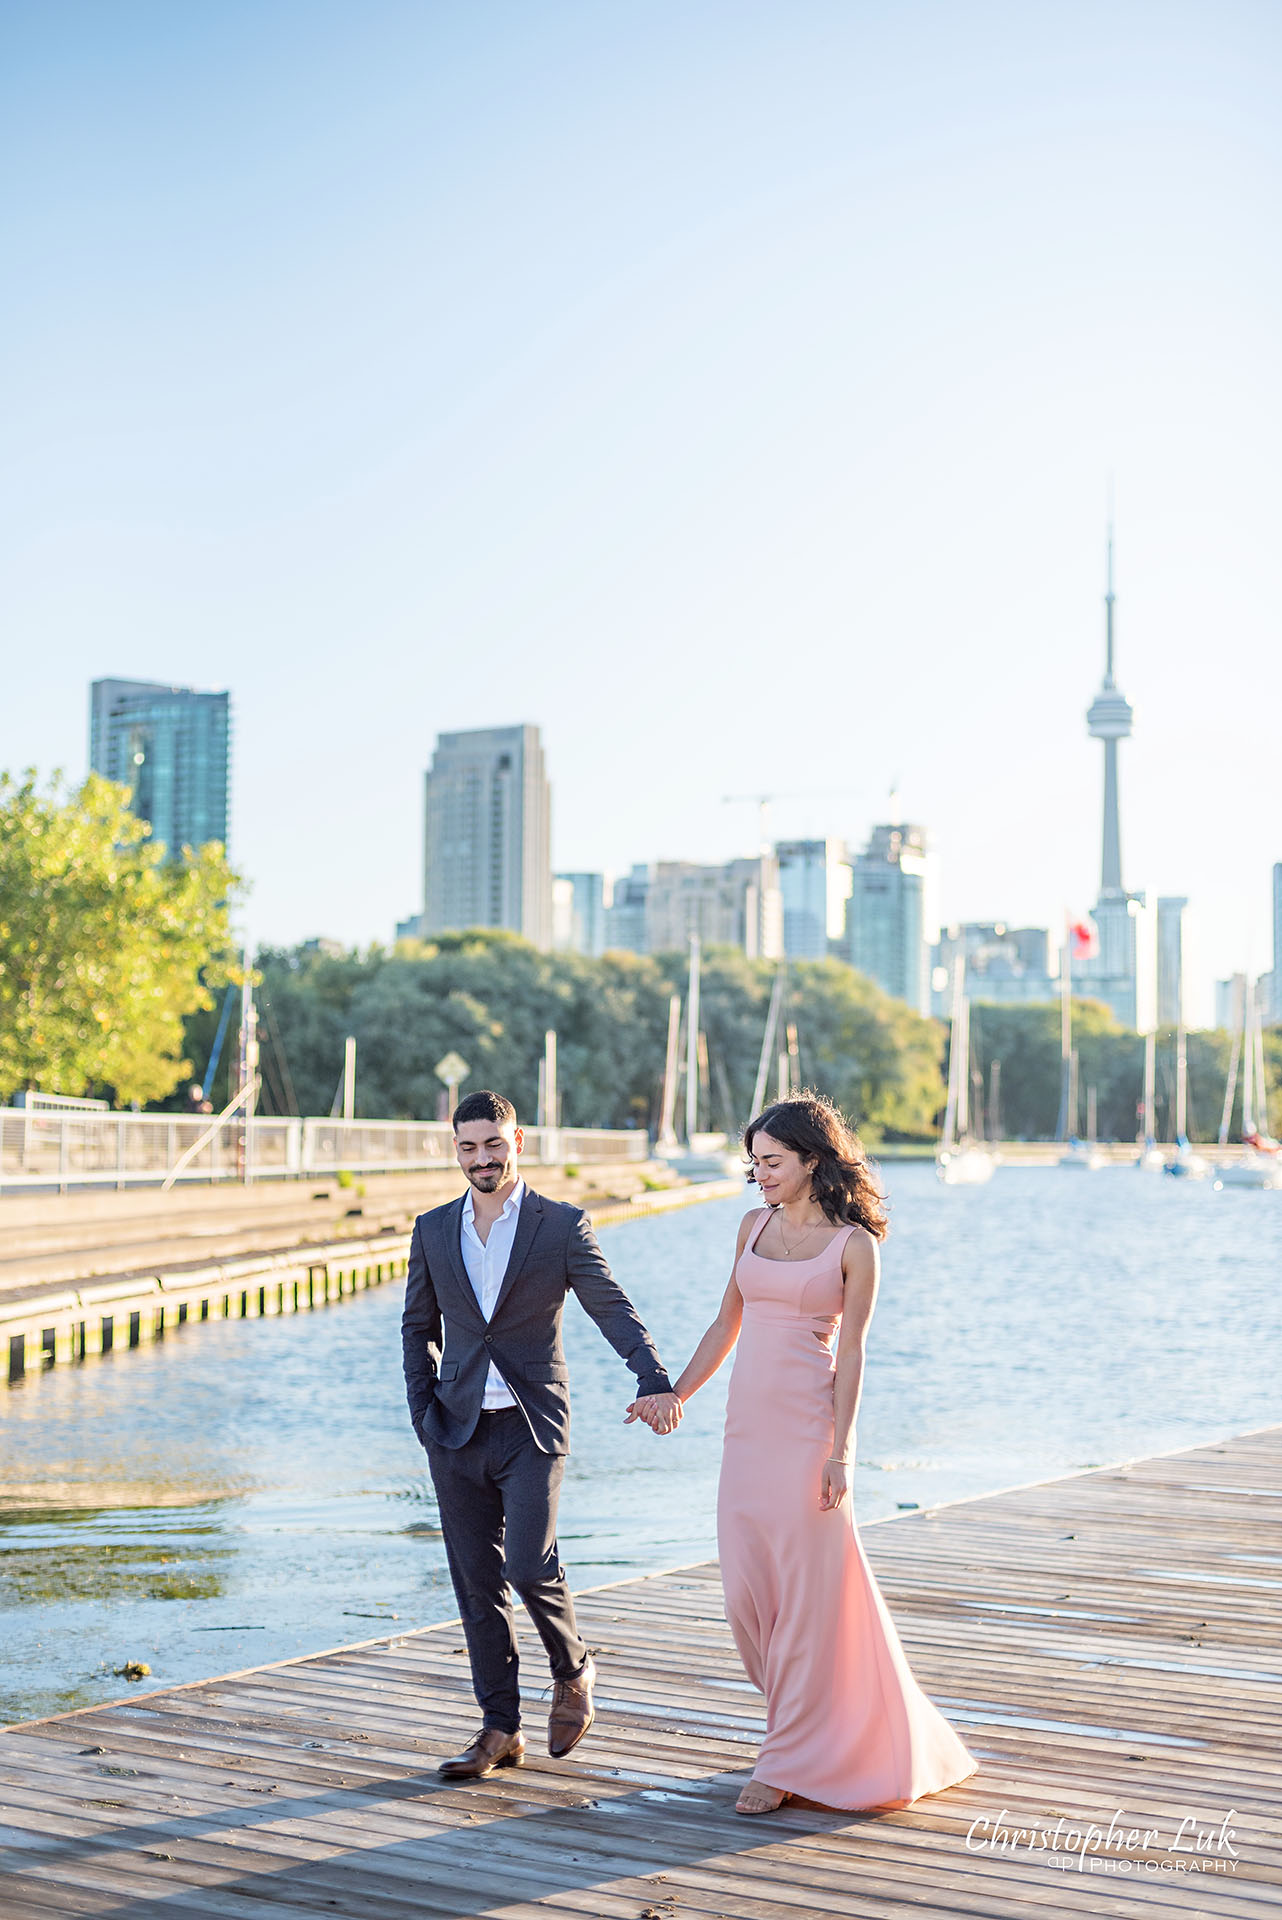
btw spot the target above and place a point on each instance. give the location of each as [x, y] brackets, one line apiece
[661, 1412]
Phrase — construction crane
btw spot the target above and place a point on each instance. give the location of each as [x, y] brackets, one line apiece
[764, 801]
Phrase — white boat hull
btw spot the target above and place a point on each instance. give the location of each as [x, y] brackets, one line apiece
[1084, 1159]
[965, 1166]
[1261, 1170]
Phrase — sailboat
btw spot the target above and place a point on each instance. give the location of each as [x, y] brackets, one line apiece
[1261, 1163]
[1152, 1159]
[961, 1161]
[1186, 1165]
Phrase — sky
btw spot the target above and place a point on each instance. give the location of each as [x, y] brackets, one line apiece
[733, 390]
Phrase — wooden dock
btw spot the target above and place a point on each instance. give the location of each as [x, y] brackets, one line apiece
[1109, 1645]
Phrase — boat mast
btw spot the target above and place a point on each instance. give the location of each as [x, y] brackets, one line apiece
[692, 1043]
[1150, 1088]
[1181, 1086]
[963, 1069]
[949, 1136]
[667, 1131]
[768, 1041]
[1062, 1127]
[1248, 1061]
[1261, 1084]
[1230, 1086]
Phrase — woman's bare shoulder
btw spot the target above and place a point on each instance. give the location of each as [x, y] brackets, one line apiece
[860, 1253]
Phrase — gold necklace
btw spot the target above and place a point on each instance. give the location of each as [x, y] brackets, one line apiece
[790, 1250]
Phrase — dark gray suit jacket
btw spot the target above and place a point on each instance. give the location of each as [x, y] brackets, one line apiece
[448, 1344]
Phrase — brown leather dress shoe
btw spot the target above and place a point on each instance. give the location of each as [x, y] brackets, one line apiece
[491, 1748]
[572, 1711]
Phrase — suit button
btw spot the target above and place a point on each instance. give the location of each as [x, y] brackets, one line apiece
[489, 1339]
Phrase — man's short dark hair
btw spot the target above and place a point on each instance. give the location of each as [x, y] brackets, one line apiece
[484, 1106]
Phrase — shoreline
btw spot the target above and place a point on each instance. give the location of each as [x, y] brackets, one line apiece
[60, 1324]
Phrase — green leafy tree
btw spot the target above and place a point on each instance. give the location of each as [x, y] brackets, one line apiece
[104, 948]
[304, 996]
[491, 997]
[1026, 1040]
[878, 1058]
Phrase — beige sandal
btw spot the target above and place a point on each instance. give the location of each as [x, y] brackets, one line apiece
[769, 1806]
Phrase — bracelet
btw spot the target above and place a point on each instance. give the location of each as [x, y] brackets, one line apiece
[833, 1461]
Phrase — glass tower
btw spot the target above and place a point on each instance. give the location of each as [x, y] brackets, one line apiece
[487, 845]
[171, 746]
[889, 912]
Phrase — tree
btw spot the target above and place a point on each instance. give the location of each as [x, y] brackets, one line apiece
[878, 1058]
[104, 948]
[491, 996]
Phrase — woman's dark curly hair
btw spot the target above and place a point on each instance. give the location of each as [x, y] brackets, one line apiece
[842, 1181]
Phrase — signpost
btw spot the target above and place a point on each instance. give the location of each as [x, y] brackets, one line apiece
[453, 1070]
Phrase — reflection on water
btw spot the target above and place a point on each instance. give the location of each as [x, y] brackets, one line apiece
[251, 1490]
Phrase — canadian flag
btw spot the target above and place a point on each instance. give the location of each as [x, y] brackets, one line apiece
[1084, 938]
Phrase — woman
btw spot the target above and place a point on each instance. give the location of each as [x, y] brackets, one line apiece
[846, 1723]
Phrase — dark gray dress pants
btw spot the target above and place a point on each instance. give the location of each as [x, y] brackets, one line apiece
[498, 1498]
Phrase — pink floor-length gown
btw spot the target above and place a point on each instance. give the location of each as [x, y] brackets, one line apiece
[846, 1723]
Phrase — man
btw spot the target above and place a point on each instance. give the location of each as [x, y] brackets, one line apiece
[488, 1393]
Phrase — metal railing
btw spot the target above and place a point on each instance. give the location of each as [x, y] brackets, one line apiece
[60, 1150]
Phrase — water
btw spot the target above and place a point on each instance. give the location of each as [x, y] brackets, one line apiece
[252, 1490]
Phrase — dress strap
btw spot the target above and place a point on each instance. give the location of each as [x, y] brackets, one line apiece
[758, 1229]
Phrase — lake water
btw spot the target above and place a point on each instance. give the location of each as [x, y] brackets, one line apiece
[251, 1490]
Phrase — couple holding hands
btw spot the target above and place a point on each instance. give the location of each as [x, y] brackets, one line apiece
[847, 1726]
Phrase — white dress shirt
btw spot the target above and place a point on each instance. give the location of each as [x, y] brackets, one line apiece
[487, 1262]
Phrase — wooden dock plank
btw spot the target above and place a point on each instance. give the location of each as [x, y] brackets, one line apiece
[1078, 1633]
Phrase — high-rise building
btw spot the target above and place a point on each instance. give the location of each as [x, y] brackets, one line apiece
[1170, 959]
[579, 903]
[735, 905]
[814, 881]
[625, 921]
[171, 746]
[1230, 997]
[1005, 966]
[1033, 946]
[889, 914]
[487, 840]
[1120, 973]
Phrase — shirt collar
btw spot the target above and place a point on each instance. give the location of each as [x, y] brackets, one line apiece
[510, 1205]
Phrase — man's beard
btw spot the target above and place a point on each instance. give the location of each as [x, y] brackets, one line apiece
[487, 1179]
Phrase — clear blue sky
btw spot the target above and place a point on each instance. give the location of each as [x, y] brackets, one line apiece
[732, 389]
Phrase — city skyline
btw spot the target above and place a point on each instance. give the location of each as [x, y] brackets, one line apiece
[732, 396]
[487, 860]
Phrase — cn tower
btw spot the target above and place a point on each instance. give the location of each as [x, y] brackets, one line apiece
[1109, 720]
[1114, 971]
